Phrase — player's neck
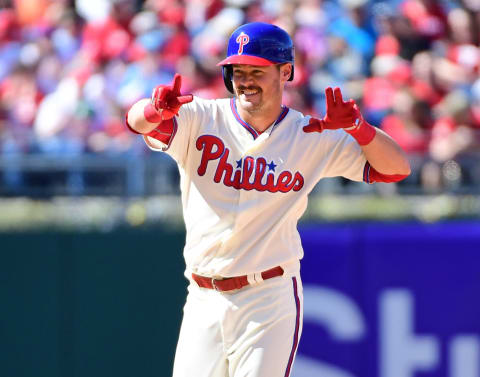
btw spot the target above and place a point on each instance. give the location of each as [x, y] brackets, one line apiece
[260, 120]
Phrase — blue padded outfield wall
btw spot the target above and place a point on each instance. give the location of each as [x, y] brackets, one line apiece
[381, 300]
[391, 300]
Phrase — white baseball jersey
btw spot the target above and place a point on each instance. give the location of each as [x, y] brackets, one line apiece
[243, 192]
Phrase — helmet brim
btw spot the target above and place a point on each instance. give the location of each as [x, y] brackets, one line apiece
[246, 59]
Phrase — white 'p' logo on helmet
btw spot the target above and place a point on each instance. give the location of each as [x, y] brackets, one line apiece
[242, 40]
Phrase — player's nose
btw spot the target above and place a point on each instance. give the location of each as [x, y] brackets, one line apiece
[247, 80]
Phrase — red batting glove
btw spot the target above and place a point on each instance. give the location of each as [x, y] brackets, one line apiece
[340, 114]
[362, 131]
[169, 99]
[166, 100]
[344, 115]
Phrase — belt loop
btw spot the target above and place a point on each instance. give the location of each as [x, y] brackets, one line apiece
[251, 279]
[258, 277]
[214, 286]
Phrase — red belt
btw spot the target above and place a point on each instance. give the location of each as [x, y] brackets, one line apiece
[237, 282]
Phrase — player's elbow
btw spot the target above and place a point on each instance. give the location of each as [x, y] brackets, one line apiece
[404, 168]
[397, 174]
[402, 171]
[399, 165]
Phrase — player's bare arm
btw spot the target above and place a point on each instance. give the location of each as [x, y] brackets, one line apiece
[136, 118]
[382, 152]
[386, 156]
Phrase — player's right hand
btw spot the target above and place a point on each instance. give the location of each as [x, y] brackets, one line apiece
[167, 99]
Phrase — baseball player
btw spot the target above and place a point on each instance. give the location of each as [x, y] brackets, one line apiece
[247, 165]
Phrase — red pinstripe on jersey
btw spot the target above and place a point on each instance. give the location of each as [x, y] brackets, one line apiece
[297, 329]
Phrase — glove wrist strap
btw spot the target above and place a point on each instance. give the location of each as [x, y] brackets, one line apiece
[152, 115]
[363, 133]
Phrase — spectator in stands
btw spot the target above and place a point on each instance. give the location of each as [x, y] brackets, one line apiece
[70, 70]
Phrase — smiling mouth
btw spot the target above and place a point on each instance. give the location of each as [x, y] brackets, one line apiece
[248, 93]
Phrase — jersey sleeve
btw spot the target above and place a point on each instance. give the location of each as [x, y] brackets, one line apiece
[335, 153]
[345, 157]
[185, 126]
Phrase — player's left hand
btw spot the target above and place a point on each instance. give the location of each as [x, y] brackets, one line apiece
[340, 114]
[167, 99]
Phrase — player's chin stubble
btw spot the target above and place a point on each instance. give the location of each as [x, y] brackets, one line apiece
[251, 107]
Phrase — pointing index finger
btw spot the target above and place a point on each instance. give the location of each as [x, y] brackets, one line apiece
[177, 83]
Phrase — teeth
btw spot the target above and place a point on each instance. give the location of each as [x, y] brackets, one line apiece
[250, 92]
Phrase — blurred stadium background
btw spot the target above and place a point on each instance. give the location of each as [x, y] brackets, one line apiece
[91, 228]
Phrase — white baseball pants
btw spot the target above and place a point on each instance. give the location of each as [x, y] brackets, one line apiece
[251, 332]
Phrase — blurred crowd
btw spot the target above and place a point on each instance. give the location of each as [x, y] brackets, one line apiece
[69, 70]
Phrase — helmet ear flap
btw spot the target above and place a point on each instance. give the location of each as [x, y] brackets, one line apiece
[227, 71]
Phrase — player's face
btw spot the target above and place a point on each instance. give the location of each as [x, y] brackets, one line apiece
[257, 87]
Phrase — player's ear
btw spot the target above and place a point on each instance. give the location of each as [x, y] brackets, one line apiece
[285, 71]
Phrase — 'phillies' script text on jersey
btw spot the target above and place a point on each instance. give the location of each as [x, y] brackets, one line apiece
[214, 149]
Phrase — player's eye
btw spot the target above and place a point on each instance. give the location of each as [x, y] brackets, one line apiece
[241, 74]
